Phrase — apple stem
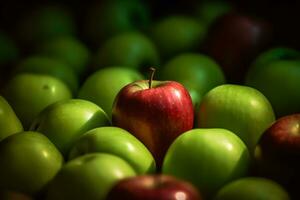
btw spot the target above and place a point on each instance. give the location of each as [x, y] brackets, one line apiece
[152, 71]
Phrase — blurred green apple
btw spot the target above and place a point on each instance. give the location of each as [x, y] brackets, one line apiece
[65, 121]
[276, 73]
[51, 66]
[28, 162]
[252, 188]
[90, 176]
[9, 122]
[116, 141]
[243, 110]
[197, 72]
[177, 34]
[45, 22]
[28, 94]
[102, 86]
[208, 158]
[209, 11]
[110, 17]
[69, 50]
[130, 49]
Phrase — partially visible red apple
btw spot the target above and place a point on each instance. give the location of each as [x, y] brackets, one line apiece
[278, 152]
[150, 187]
[156, 112]
[235, 40]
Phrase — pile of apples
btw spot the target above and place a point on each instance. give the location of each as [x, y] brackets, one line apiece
[147, 100]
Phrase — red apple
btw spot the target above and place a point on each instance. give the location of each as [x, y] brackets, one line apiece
[150, 187]
[156, 112]
[278, 152]
[235, 40]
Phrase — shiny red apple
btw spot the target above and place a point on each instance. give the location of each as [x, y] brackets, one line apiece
[150, 187]
[235, 40]
[156, 112]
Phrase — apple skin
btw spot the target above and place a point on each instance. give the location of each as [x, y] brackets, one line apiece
[278, 152]
[156, 115]
[90, 176]
[65, 121]
[177, 34]
[269, 71]
[252, 188]
[235, 40]
[101, 89]
[69, 50]
[107, 18]
[207, 158]
[149, 187]
[197, 72]
[29, 161]
[236, 108]
[9, 122]
[49, 66]
[131, 49]
[116, 141]
[28, 94]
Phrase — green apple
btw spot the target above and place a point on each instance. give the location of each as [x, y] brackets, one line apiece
[209, 11]
[65, 121]
[51, 66]
[28, 94]
[197, 72]
[45, 22]
[29, 161]
[177, 34]
[90, 176]
[116, 141]
[69, 50]
[276, 73]
[243, 110]
[252, 188]
[208, 158]
[110, 17]
[102, 86]
[9, 122]
[130, 49]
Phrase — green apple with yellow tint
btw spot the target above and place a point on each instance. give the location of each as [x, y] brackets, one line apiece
[116, 141]
[252, 188]
[241, 109]
[9, 122]
[65, 121]
[29, 160]
[29, 93]
[90, 176]
[207, 158]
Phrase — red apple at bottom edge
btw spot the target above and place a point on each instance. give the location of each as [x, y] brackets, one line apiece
[150, 187]
[277, 155]
[156, 113]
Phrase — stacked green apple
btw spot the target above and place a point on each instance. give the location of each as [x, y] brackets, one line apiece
[83, 115]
